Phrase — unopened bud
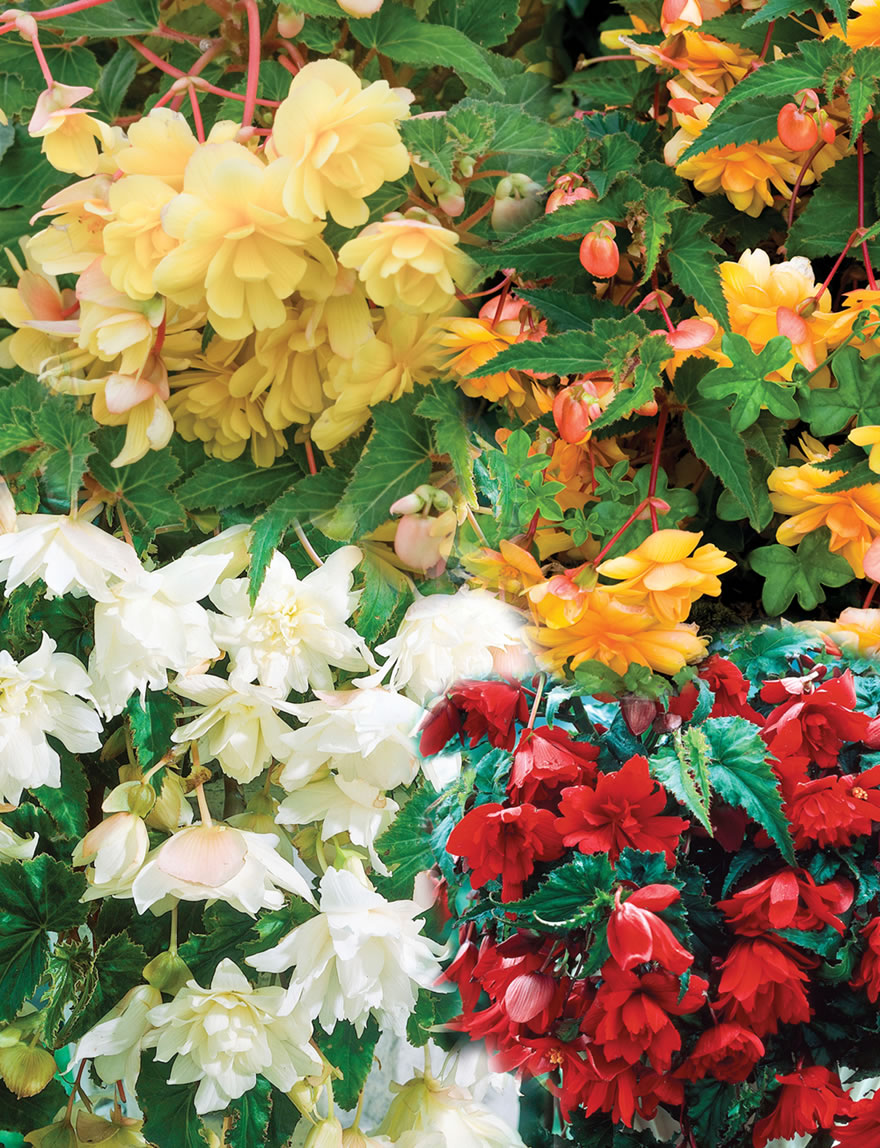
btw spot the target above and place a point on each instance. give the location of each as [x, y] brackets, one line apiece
[638, 713]
[325, 1134]
[141, 799]
[290, 22]
[25, 1070]
[516, 202]
[450, 196]
[466, 166]
[168, 973]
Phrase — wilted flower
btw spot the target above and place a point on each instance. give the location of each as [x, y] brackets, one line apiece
[223, 1036]
[340, 139]
[38, 696]
[360, 955]
[296, 629]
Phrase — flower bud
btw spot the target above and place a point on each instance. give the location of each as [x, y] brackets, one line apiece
[168, 973]
[172, 809]
[567, 189]
[528, 995]
[360, 7]
[25, 1070]
[425, 543]
[466, 166]
[325, 1134]
[119, 1132]
[574, 409]
[450, 196]
[141, 799]
[598, 251]
[638, 713]
[290, 22]
[516, 203]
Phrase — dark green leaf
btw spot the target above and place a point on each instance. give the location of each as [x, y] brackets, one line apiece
[574, 895]
[152, 724]
[856, 396]
[385, 591]
[30, 1112]
[488, 25]
[218, 484]
[226, 931]
[121, 18]
[352, 1055]
[693, 262]
[747, 380]
[25, 177]
[803, 573]
[116, 78]
[249, 1116]
[67, 804]
[143, 488]
[171, 1119]
[443, 405]
[67, 428]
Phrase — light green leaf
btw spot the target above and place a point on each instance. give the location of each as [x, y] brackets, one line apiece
[856, 396]
[62, 424]
[747, 380]
[444, 407]
[739, 773]
[385, 590]
[429, 141]
[683, 770]
[802, 573]
[121, 18]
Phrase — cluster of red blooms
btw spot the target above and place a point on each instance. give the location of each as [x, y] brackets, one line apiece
[612, 1013]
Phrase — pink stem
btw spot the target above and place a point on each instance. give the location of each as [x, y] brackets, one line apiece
[253, 65]
[63, 10]
[655, 463]
[43, 62]
[170, 70]
[197, 115]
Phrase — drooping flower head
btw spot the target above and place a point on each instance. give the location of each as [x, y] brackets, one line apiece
[763, 984]
[810, 1099]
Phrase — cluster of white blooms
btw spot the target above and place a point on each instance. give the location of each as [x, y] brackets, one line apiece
[342, 759]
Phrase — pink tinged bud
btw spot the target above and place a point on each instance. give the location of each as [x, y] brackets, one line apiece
[659, 504]
[290, 22]
[528, 995]
[360, 7]
[638, 713]
[790, 324]
[425, 543]
[516, 202]
[680, 12]
[409, 504]
[450, 196]
[667, 723]
[690, 334]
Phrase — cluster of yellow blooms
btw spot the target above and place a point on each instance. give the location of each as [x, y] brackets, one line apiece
[207, 298]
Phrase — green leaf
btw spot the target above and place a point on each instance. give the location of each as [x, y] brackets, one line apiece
[116, 78]
[777, 10]
[413, 842]
[386, 590]
[747, 380]
[707, 426]
[693, 262]
[568, 353]
[117, 967]
[69, 966]
[831, 212]
[570, 312]
[862, 87]
[249, 1116]
[152, 724]
[574, 895]
[650, 218]
[486, 24]
[708, 1105]
[67, 804]
[171, 1117]
[121, 18]
[443, 405]
[432, 1008]
[429, 141]
[803, 573]
[397, 33]
[226, 931]
[739, 773]
[856, 396]
[352, 1055]
[577, 218]
[143, 488]
[30, 1112]
[62, 424]
[766, 436]
[858, 475]
[218, 484]
[396, 460]
[19, 405]
[36, 897]
[641, 360]
[25, 177]
[683, 770]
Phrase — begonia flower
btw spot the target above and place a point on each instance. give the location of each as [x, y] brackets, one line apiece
[114, 1044]
[868, 973]
[547, 758]
[474, 710]
[726, 1051]
[815, 725]
[790, 899]
[636, 934]
[763, 984]
[810, 1099]
[505, 842]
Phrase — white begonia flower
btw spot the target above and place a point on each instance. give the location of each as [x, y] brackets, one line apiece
[445, 637]
[172, 810]
[353, 807]
[234, 542]
[363, 734]
[217, 863]
[234, 722]
[425, 1106]
[116, 1041]
[116, 848]
[153, 624]
[15, 848]
[70, 555]
[360, 955]
[38, 696]
[223, 1036]
[296, 629]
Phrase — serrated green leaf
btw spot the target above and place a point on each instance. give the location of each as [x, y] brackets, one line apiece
[747, 380]
[226, 932]
[152, 724]
[68, 969]
[858, 475]
[249, 1116]
[352, 1055]
[803, 572]
[568, 353]
[573, 895]
[570, 312]
[218, 484]
[143, 488]
[67, 804]
[396, 460]
[651, 218]
[429, 141]
[171, 1119]
[777, 10]
[830, 215]
[856, 396]
[121, 18]
[641, 361]
[443, 406]
[63, 425]
[739, 773]
[693, 262]
[862, 87]
[19, 405]
[386, 590]
[36, 897]
[488, 25]
[413, 841]
[766, 436]
[577, 218]
[397, 32]
[683, 770]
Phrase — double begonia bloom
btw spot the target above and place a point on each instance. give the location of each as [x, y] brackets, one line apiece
[726, 1051]
[730, 688]
[864, 1128]
[623, 811]
[809, 1099]
[831, 811]
[545, 759]
[505, 842]
[340, 141]
[631, 1015]
[34, 302]
[134, 240]
[625, 1090]
[474, 710]
[239, 253]
[410, 261]
[68, 133]
[790, 899]
[868, 974]
[472, 342]
[814, 725]
[160, 145]
[636, 934]
[763, 985]
[618, 635]
[668, 573]
[852, 516]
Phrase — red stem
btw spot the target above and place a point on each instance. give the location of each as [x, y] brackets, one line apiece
[669, 327]
[655, 462]
[619, 533]
[765, 47]
[869, 597]
[800, 180]
[860, 152]
[253, 64]
[475, 217]
[824, 286]
[197, 115]
[310, 457]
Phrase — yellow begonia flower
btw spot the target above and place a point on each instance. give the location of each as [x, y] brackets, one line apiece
[509, 570]
[138, 403]
[475, 342]
[408, 261]
[755, 290]
[862, 31]
[160, 144]
[705, 67]
[852, 516]
[239, 253]
[134, 240]
[68, 133]
[618, 636]
[663, 573]
[857, 630]
[74, 239]
[403, 352]
[204, 409]
[868, 436]
[35, 300]
[339, 141]
[112, 325]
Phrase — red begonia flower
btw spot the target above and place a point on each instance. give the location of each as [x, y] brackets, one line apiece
[790, 899]
[631, 1015]
[547, 758]
[636, 934]
[730, 688]
[868, 976]
[816, 725]
[830, 811]
[864, 1129]
[763, 985]
[809, 1099]
[626, 1089]
[727, 1052]
[623, 810]
[505, 842]
[477, 709]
